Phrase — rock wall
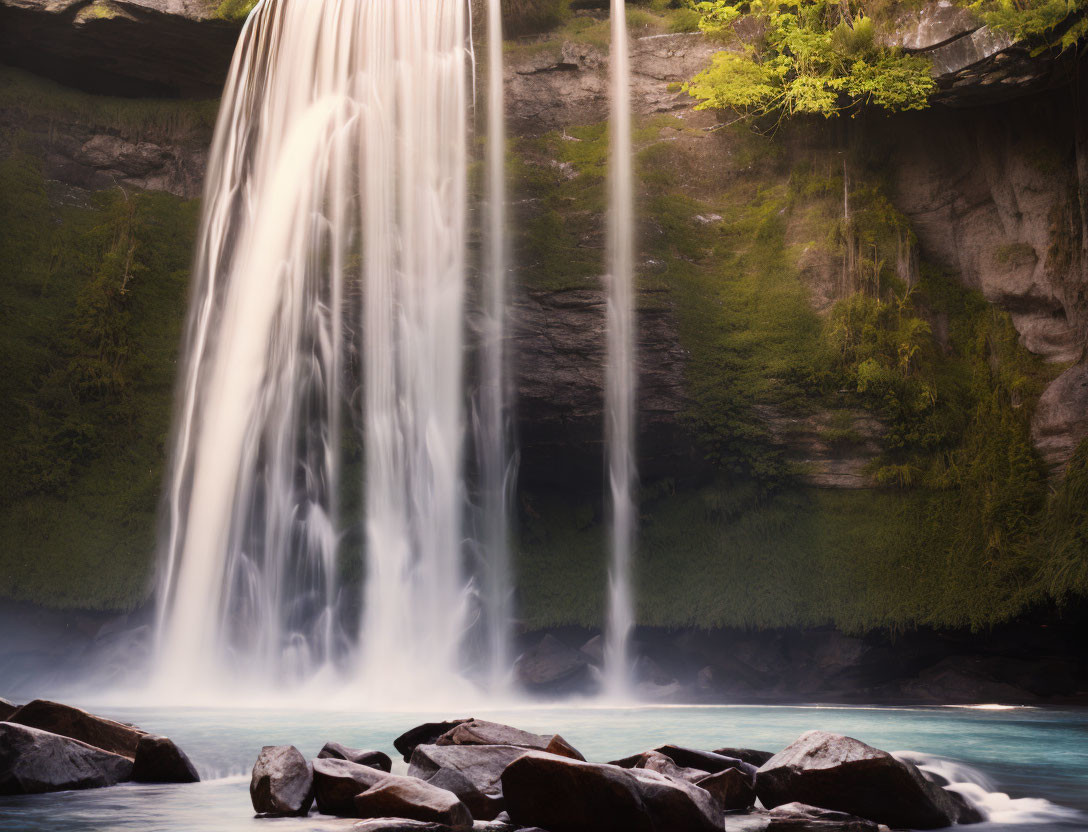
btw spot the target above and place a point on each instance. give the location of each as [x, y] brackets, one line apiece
[994, 192]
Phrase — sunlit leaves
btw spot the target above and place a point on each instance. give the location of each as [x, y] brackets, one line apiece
[804, 56]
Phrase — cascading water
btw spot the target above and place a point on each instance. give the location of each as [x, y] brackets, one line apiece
[497, 465]
[327, 325]
[620, 373]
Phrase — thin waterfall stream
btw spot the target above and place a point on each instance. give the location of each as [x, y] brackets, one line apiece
[497, 464]
[620, 377]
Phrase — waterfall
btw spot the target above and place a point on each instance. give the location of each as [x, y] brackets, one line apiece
[324, 352]
[620, 373]
[497, 465]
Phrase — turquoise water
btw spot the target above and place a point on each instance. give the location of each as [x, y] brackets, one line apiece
[1037, 757]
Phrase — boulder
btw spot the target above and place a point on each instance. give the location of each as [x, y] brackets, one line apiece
[709, 762]
[552, 667]
[564, 795]
[840, 773]
[798, 817]
[733, 788]
[482, 732]
[747, 755]
[283, 782]
[6, 709]
[424, 734]
[473, 773]
[412, 799]
[375, 759]
[115, 737]
[33, 761]
[338, 782]
[653, 761]
[159, 760]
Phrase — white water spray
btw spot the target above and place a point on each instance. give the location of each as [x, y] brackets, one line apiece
[620, 373]
[329, 296]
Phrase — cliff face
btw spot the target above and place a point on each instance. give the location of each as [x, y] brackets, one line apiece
[746, 262]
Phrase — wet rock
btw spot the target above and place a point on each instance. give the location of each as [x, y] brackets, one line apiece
[473, 773]
[159, 760]
[647, 670]
[500, 824]
[424, 734]
[282, 784]
[654, 761]
[399, 825]
[76, 724]
[707, 761]
[799, 817]
[482, 732]
[552, 667]
[747, 755]
[33, 761]
[564, 795]
[375, 759]
[412, 799]
[6, 709]
[1060, 422]
[734, 789]
[840, 773]
[338, 782]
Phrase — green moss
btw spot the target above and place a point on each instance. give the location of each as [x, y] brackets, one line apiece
[92, 302]
[1062, 546]
[235, 11]
[35, 98]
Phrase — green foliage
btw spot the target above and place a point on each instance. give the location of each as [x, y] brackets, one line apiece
[1054, 25]
[235, 11]
[91, 305]
[521, 17]
[1062, 546]
[812, 56]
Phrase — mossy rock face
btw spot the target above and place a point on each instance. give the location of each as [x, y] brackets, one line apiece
[529, 17]
[91, 304]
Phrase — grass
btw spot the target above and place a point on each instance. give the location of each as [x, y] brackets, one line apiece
[36, 98]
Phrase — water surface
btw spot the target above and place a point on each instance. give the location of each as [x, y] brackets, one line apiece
[1041, 754]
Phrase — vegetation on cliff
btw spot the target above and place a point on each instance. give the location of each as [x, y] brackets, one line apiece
[809, 57]
[960, 530]
[92, 302]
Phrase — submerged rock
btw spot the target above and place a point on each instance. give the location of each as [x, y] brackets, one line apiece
[76, 724]
[159, 760]
[425, 734]
[564, 795]
[283, 782]
[840, 773]
[375, 759]
[482, 732]
[473, 773]
[412, 799]
[33, 761]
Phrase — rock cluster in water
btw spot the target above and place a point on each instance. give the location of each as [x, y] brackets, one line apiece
[472, 774]
[49, 747]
